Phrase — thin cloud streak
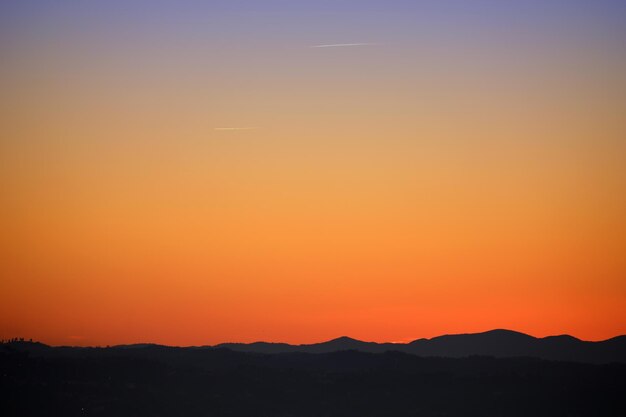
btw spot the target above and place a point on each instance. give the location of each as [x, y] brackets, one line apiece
[343, 45]
[234, 128]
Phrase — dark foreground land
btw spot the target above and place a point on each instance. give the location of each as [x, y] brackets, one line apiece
[163, 381]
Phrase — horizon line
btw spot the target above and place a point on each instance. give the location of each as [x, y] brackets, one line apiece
[32, 340]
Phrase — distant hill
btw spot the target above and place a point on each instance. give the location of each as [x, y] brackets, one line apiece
[497, 343]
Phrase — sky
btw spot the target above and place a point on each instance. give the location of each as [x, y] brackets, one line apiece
[197, 172]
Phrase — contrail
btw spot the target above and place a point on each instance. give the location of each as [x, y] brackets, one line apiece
[341, 45]
[234, 128]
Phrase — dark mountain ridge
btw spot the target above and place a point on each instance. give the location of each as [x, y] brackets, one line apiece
[497, 343]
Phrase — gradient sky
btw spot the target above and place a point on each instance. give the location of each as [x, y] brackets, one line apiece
[196, 172]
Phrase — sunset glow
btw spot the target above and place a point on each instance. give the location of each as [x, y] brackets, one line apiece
[191, 173]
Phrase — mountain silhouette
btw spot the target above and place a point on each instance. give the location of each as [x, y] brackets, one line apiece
[154, 380]
[496, 343]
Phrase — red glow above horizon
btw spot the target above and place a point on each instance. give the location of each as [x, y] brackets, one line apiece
[227, 182]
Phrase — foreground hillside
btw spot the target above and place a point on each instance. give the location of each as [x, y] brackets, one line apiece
[162, 381]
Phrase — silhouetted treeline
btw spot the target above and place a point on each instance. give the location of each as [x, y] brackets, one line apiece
[154, 380]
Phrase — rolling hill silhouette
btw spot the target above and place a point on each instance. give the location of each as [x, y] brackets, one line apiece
[497, 343]
[335, 379]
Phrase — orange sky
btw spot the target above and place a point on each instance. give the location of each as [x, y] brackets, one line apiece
[387, 192]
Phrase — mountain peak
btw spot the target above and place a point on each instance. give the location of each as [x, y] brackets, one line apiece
[506, 332]
[343, 339]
